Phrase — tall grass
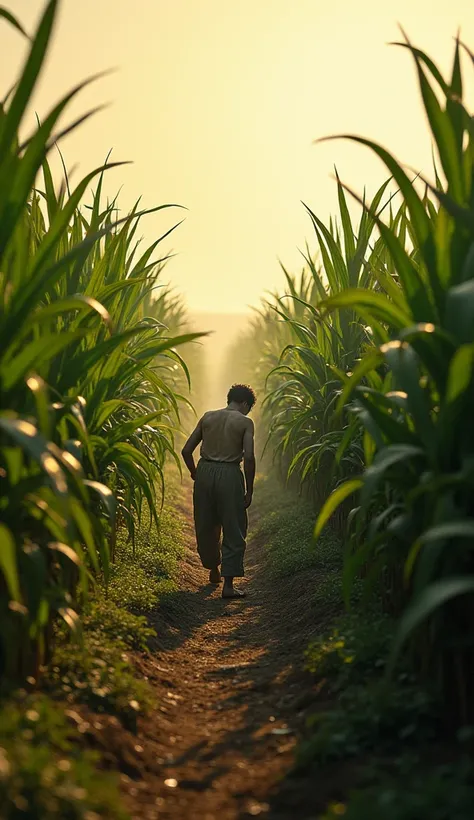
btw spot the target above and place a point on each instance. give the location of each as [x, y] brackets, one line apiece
[376, 386]
[418, 410]
[301, 358]
[87, 409]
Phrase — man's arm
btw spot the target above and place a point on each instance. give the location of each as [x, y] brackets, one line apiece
[187, 452]
[249, 461]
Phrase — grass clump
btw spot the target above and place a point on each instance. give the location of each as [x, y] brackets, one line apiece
[145, 571]
[43, 774]
[353, 651]
[117, 624]
[442, 793]
[372, 714]
[98, 672]
[378, 718]
[287, 528]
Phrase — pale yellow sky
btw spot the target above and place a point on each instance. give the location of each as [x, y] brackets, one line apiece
[217, 102]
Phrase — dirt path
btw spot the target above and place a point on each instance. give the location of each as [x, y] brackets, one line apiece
[231, 699]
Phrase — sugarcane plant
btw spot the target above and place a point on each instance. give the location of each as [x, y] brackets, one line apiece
[414, 395]
[86, 415]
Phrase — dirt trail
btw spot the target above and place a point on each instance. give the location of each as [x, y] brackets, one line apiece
[231, 699]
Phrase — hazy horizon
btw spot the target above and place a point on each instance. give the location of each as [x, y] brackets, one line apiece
[218, 105]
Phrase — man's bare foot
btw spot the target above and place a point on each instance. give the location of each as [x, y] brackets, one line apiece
[215, 576]
[233, 593]
[229, 591]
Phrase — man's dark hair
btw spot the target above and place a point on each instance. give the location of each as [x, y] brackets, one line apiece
[240, 393]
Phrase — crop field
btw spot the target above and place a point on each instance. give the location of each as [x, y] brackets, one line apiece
[364, 367]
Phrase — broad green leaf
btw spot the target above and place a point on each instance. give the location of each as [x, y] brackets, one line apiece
[460, 373]
[334, 501]
[394, 454]
[8, 562]
[377, 304]
[459, 320]
[425, 605]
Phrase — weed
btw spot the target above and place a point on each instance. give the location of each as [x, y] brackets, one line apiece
[43, 774]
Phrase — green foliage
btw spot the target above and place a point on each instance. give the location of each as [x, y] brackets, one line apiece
[288, 533]
[291, 546]
[442, 793]
[371, 715]
[303, 359]
[414, 395]
[368, 361]
[328, 590]
[89, 391]
[43, 774]
[376, 718]
[98, 672]
[354, 650]
[146, 570]
[117, 625]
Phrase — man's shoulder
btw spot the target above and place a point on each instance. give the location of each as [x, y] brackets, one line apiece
[210, 413]
[249, 423]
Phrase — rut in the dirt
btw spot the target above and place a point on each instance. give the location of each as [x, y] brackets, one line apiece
[231, 695]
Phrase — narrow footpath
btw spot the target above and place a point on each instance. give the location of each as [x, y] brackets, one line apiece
[232, 698]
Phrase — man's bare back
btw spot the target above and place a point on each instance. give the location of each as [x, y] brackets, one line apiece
[223, 434]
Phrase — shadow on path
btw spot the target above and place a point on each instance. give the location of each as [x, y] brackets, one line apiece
[233, 698]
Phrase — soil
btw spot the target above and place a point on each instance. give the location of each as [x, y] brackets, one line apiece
[232, 701]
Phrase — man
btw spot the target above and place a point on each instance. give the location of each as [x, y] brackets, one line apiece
[221, 498]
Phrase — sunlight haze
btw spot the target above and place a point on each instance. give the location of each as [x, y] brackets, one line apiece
[218, 103]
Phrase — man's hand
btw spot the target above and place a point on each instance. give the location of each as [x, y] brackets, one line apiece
[247, 500]
[189, 448]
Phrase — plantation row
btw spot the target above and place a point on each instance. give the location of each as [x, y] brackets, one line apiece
[367, 361]
[90, 379]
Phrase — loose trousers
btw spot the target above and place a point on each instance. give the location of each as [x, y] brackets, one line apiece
[219, 491]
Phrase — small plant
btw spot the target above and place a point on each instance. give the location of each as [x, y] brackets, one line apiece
[354, 651]
[43, 774]
[288, 534]
[378, 718]
[145, 570]
[117, 624]
[443, 793]
[98, 673]
[328, 596]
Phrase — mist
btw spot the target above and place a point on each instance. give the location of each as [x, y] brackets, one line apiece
[211, 383]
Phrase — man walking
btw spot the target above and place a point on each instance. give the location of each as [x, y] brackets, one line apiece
[221, 498]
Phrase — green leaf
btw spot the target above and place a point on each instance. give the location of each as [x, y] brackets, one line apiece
[377, 303]
[7, 15]
[425, 604]
[443, 133]
[8, 562]
[386, 458]
[35, 354]
[459, 321]
[78, 302]
[28, 80]
[460, 373]
[334, 501]
[463, 528]
[106, 496]
[370, 362]
[26, 435]
[420, 221]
